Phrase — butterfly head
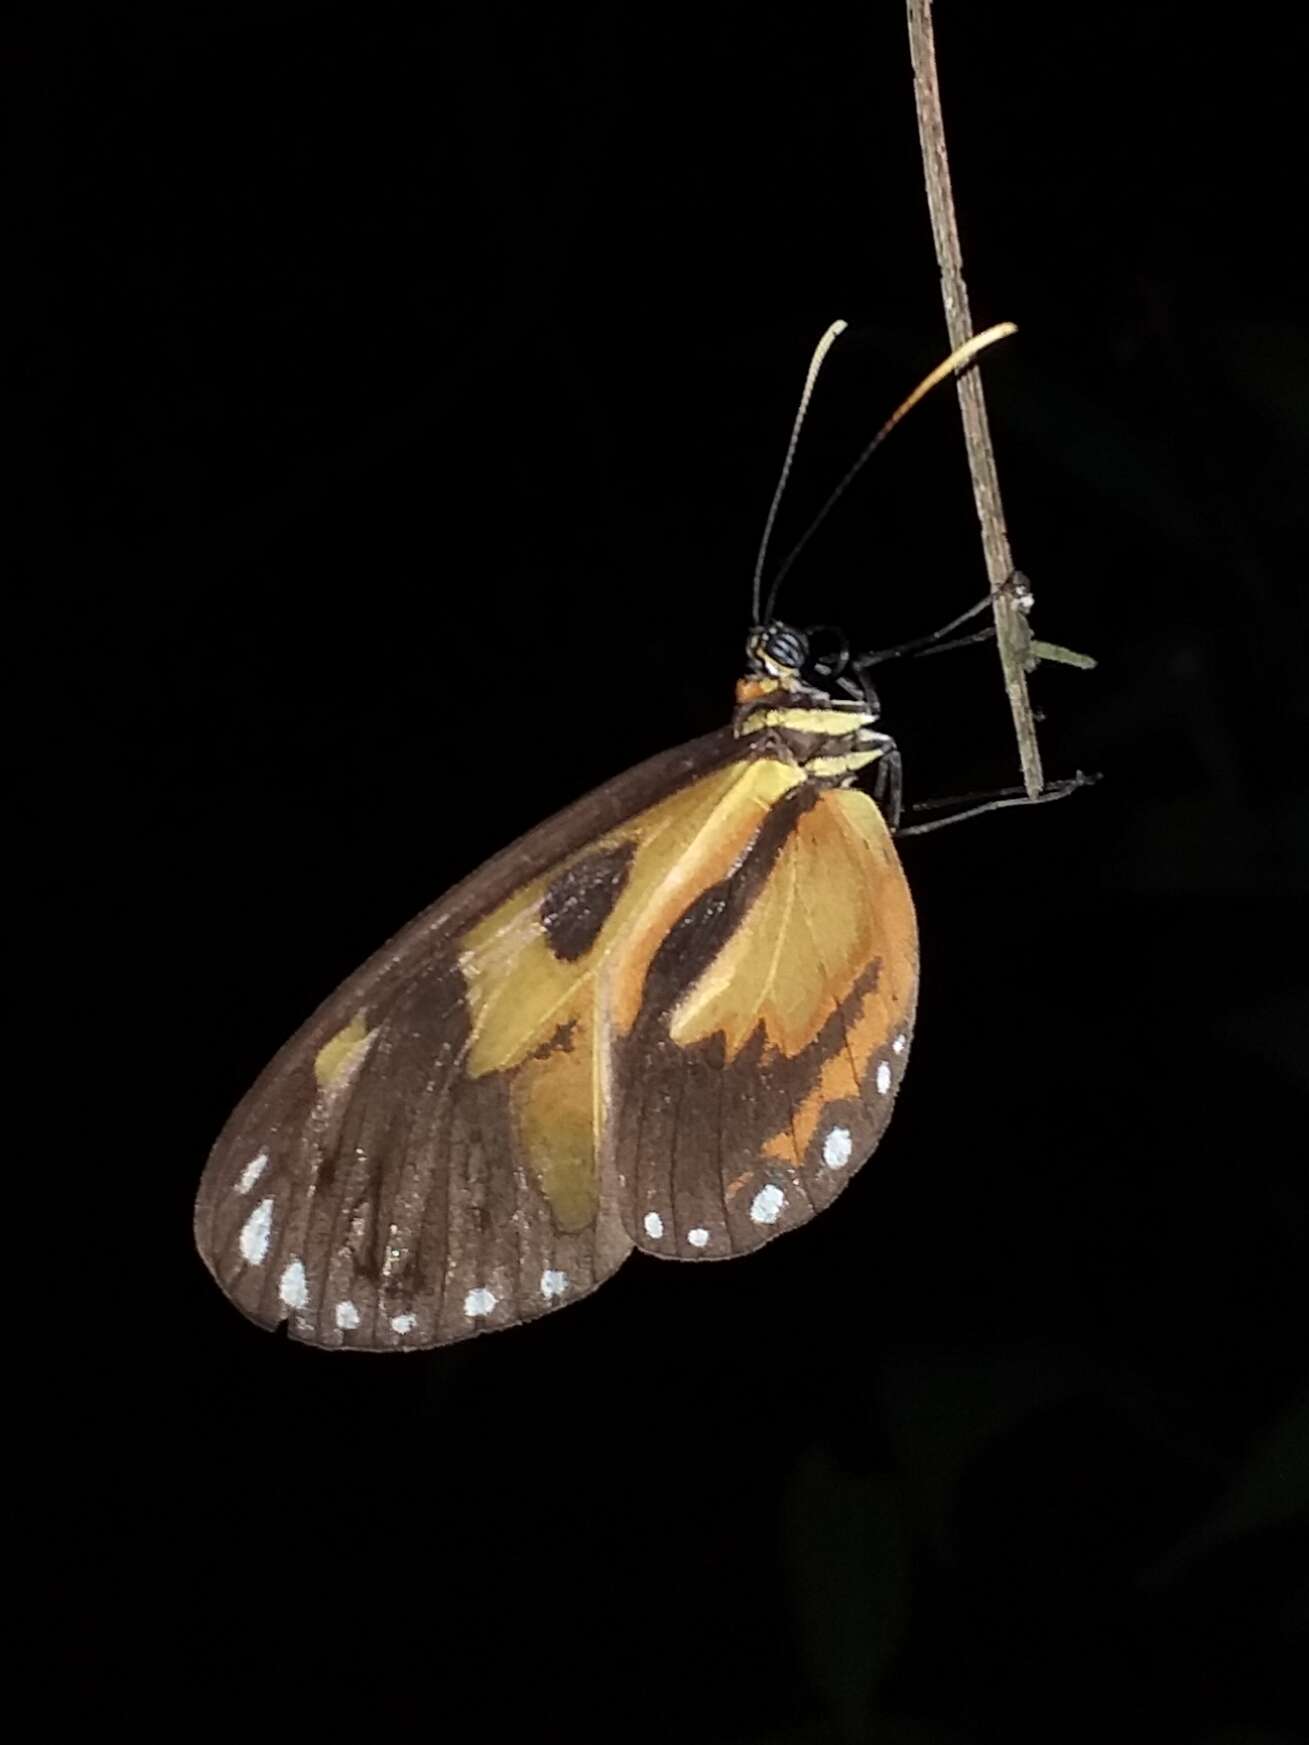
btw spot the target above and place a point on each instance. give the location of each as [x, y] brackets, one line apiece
[777, 651]
[781, 658]
[813, 662]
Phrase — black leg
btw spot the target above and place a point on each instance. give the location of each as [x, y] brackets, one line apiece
[877, 655]
[1017, 586]
[861, 688]
[987, 635]
[888, 779]
[998, 801]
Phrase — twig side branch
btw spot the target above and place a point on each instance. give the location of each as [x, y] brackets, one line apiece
[1013, 639]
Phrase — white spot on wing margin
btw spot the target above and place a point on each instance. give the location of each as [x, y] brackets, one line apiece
[553, 1284]
[252, 1172]
[837, 1148]
[258, 1227]
[479, 1301]
[698, 1238]
[347, 1316]
[766, 1207]
[403, 1323]
[654, 1225]
[883, 1077]
[293, 1286]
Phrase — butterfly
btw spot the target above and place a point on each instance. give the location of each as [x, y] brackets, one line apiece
[673, 1018]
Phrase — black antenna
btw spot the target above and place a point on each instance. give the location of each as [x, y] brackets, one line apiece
[821, 350]
[964, 354]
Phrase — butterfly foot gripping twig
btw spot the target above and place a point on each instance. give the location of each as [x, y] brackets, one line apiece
[1036, 651]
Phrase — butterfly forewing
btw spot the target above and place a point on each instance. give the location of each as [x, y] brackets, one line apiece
[673, 1016]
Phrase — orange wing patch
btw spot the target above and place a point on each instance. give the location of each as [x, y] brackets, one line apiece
[861, 872]
[810, 935]
[545, 1012]
[835, 904]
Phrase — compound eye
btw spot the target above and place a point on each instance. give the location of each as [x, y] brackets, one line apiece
[789, 648]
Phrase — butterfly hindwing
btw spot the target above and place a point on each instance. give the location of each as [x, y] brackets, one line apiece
[764, 1070]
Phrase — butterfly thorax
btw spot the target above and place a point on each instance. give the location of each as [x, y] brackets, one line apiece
[831, 738]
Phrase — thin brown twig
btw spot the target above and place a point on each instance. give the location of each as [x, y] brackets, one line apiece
[1013, 639]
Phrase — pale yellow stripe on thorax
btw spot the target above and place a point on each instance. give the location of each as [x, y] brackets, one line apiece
[836, 723]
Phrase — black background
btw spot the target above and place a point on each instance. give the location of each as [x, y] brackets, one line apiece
[401, 395]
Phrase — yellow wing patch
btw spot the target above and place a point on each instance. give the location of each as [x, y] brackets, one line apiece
[337, 1059]
[548, 1020]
